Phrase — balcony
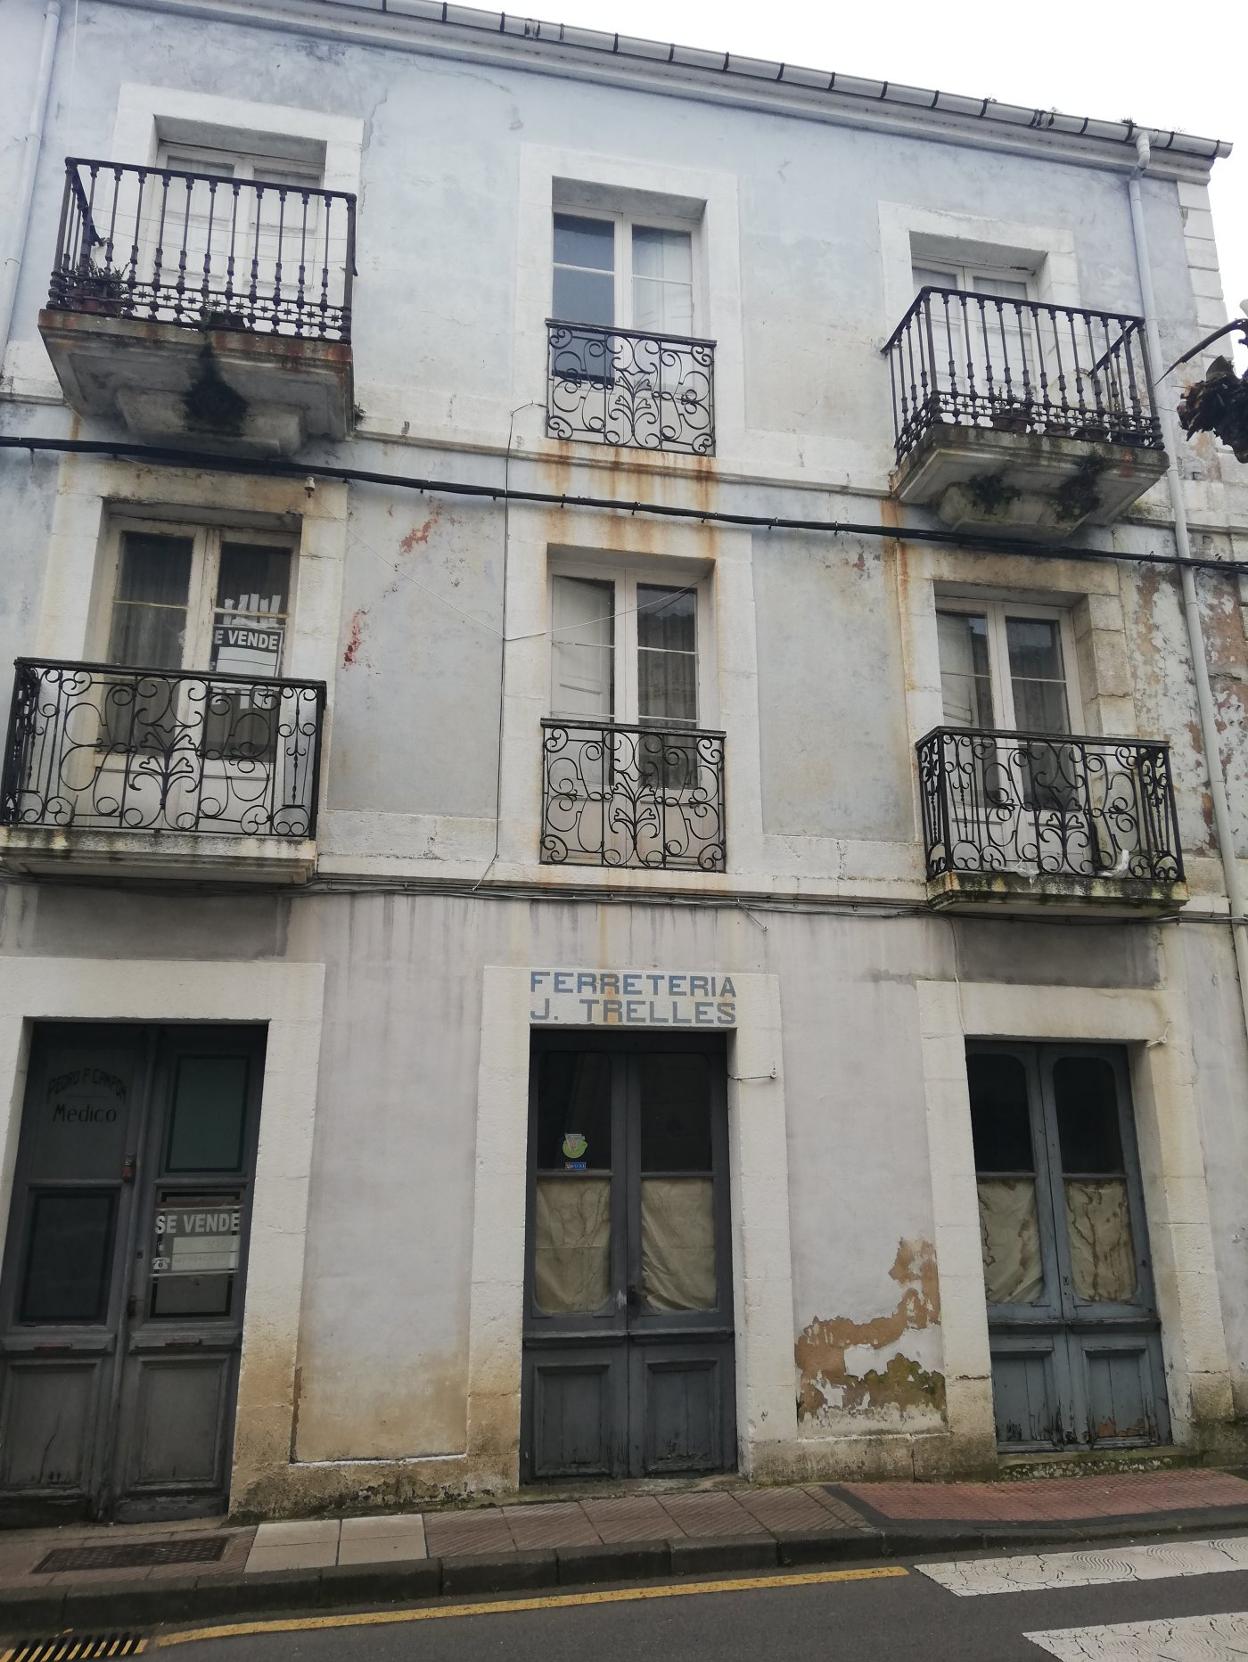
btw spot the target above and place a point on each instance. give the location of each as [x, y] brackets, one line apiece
[622, 387]
[207, 311]
[1027, 819]
[1019, 416]
[621, 796]
[145, 772]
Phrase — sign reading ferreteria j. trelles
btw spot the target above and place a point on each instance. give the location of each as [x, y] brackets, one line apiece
[631, 998]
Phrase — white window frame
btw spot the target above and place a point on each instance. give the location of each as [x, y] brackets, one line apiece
[995, 613]
[248, 165]
[622, 271]
[624, 648]
[206, 541]
[967, 278]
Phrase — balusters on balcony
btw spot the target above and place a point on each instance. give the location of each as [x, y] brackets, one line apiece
[158, 245]
[1020, 366]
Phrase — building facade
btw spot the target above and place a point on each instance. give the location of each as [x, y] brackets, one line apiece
[626, 797]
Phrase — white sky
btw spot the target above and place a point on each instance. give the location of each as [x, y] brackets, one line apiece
[1138, 59]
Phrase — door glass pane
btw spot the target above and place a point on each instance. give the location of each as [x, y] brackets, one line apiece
[675, 1113]
[678, 1243]
[662, 281]
[208, 1114]
[667, 683]
[965, 680]
[584, 286]
[1037, 674]
[1009, 1235]
[69, 1256]
[1008, 1220]
[194, 1253]
[248, 634]
[1098, 1213]
[149, 610]
[79, 1128]
[582, 648]
[571, 1244]
[574, 1111]
[1000, 1115]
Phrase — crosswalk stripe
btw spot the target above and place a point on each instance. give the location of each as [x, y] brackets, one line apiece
[1175, 1639]
[1042, 1571]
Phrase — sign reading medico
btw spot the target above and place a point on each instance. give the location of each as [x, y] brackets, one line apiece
[631, 998]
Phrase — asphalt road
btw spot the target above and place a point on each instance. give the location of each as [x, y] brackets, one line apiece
[861, 1620]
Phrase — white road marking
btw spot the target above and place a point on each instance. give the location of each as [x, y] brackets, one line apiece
[1042, 1571]
[1179, 1639]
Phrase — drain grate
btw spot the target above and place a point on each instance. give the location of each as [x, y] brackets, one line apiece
[75, 1647]
[134, 1555]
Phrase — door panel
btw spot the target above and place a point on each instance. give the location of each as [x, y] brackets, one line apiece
[628, 1326]
[578, 1401]
[1072, 1322]
[122, 1289]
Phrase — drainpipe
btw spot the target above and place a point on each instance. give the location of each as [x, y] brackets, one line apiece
[1235, 892]
[12, 267]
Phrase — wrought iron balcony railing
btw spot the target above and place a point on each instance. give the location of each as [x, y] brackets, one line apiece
[1020, 366]
[1047, 805]
[94, 747]
[632, 796]
[625, 387]
[161, 246]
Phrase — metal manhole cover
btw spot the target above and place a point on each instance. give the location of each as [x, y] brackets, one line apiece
[82, 1647]
[133, 1555]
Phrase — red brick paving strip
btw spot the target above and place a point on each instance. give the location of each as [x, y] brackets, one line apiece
[840, 1510]
[467, 1532]
[1054, 1499]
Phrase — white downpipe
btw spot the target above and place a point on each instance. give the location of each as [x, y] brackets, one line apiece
[1223, 831]
[31, 144]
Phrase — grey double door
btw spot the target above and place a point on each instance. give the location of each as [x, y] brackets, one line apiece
[1072, 1320]
[628, 1348]
[122, 1290]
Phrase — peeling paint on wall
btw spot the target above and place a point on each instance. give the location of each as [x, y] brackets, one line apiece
[830, 1377]
[355, 637]
[419, 534]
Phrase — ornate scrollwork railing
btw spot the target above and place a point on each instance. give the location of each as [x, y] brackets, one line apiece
[1048, 805]
[621, 386]
[632, 796]
[94, 747]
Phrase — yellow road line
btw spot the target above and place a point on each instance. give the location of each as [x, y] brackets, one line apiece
[497, 1607]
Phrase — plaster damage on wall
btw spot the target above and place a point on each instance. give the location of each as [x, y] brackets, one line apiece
[830, 1351]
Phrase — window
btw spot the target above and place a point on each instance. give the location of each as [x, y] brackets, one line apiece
[993, 350]
[1004, 666]
[1003, 669]
[615, 273]
[625, 650]
[198, 599]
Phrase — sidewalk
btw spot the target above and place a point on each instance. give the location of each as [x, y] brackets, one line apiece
[138, 1575]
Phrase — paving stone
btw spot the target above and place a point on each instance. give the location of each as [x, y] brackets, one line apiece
[841, 1510]
[789, 1510]
[630, 1518]
[455, 1533]
[709, 1514]
[386, 1523]
[298, 1530]
[293, 1555]
[558, 1524]
[381, 1549]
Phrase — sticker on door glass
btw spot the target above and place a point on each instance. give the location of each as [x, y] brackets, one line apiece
[574, 1145]
[200, 1238]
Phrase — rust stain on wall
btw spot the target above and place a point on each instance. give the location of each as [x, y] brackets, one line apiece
[419, 534]
[899, 1382]
[355, 637]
